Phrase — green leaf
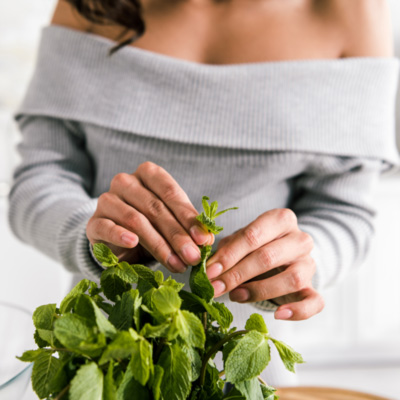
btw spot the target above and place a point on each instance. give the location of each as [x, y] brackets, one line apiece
[224, 211]
[126, 272]
[250, 389]
[228, 347]
[121, 347]
[131, 389]
[39, 341]
[256, 322]
[165, 330]
[166, 300]
[198, 281]
[206, 206]
[112, 284]
[141, 363]
[225, 317]
[145, 274]
[177, 286]
[87, 308]
[213, 208]
[209, 223]
[195, 361]
[155, 382]
[69, 300]
[43, 317]
[109, 389]
[288, 356]
[248, 359]
[87, 383]
[190, 329]
[31, 355]
[44, 369]
[104, 255]
[177, 371]
[76, 333]
[268, 392]
[127, 310]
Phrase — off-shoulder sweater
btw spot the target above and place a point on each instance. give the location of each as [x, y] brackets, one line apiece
[309, 135]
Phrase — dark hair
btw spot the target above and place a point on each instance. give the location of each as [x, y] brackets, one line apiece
[125, 13]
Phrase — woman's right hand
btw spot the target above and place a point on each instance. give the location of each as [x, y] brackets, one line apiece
[148, 213]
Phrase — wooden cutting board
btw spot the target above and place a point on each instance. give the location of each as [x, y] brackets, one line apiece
[320, 393]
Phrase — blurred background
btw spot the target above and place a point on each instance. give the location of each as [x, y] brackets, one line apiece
[354, 343]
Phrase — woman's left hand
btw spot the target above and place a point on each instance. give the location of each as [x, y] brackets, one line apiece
[268, 259]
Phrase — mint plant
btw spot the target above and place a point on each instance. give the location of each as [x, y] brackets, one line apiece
[142, 337]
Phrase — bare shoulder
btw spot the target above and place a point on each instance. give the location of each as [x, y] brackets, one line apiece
[366, 26]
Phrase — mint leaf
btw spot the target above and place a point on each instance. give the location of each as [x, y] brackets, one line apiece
[126, 272]
[31, 355]
[104, 255]
[155, 382]
[225, 317]
[121, 347]
[256, 322]
[112, 283]
[70, 298]
[166, 300]
[224, 211]
[195, 361]
[175, 384]
[87, 383]
[44, 369]
[126, 311]
[248, 359]
[199, 282]
[43, 316]
[109, 389]
[131, 389]
[250, 389]
[145, 274]
[177, 286]
[268, 392]
[204, 202]
[288, 356]
[209, 224]
[141, 363]
[190, 329]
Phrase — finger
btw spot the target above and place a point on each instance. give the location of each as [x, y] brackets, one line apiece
[105, 230]
[272, 255]
[294, 278]
[312, 303]
[137, 197]
[165, 187]
[132, 220]
[279, 222]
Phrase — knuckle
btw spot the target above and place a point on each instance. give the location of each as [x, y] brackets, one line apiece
[267, 257]
[297, 281]
[155, 208]
[227, 257]
[171, 192]
[306, 241]
[287, 216]
[159, 251]
[120, 180]
[147, 167]
[235, 278]
[132, 219]
[105, 198]
[252, 236]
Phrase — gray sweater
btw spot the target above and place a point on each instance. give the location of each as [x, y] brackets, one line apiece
[310, 135]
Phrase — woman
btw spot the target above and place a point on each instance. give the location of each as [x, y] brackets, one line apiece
[282, 108]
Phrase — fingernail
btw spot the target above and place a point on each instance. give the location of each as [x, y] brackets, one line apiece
[239, 295]
[284, 314]
[128, 239]
[214, 270]
[219, 287]
[191, 254]
[198, 235]
[175, 262]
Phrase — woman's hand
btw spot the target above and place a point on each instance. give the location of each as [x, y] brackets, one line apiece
[147, 213]
[268, 259]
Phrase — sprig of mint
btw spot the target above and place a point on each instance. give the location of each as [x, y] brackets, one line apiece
[142, 337]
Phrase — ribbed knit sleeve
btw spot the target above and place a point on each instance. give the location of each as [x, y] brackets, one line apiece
[49, 201]
[333, 203]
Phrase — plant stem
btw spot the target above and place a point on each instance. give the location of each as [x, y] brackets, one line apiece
[214, 349]
[63, 392]
[205, 321]
[261, 380]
